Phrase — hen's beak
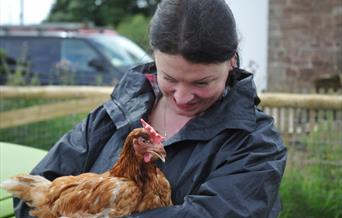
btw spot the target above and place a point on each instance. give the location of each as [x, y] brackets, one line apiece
[158, 151]
[160, 156]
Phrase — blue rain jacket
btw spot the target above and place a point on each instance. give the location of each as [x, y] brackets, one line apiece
[227, 162]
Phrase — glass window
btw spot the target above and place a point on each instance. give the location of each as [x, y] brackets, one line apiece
[120, 51]
[78, 53]
[40, 55]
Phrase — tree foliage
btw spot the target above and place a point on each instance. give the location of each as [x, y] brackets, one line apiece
[100, 12]
[136, 28]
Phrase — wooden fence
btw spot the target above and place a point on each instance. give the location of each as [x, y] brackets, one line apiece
[77, 99]
[294, 114]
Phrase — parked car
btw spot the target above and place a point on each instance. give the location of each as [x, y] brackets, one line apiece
[62, 54]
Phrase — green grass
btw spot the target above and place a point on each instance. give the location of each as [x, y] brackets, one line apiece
[312, 184]
[17, 103]
[306, 194]
[41, 134]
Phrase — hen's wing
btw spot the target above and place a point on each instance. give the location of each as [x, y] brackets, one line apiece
[91, 195]
[156, 193]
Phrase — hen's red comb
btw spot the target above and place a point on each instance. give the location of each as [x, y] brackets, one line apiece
[155, 137]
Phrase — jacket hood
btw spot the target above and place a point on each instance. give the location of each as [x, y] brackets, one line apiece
[134, 97]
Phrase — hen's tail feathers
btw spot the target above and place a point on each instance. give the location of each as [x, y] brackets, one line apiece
[29, 188]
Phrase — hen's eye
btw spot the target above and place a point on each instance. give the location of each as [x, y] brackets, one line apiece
[145, 139]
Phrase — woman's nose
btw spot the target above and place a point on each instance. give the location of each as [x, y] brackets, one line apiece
[182, 95]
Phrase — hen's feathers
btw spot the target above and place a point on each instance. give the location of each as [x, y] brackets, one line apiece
[134, 184]
[154, 193]
[86, 195]
[90, 193]
[31, 189]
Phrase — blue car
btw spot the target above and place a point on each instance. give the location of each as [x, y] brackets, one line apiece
[53, 55]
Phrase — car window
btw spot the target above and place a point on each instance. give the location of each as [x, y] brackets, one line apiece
[120, 51]
[79, 54]
[134, 51]
[39, 54]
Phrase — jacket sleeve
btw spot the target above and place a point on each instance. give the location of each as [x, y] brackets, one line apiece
[244, 180]
[75, 152]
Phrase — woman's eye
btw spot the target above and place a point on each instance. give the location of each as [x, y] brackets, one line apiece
[169, 79]
[201, 84]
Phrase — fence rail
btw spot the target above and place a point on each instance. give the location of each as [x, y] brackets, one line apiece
[306, 101]
[78, 99]
[54, 91]
[294, 114]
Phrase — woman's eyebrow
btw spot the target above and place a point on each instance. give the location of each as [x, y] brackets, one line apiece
[206, 78]
[210, 77]
[166, 74]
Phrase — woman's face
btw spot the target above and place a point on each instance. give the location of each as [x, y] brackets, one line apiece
[190, 88]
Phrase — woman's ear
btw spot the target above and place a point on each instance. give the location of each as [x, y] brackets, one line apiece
[233, 62]
[229, 65]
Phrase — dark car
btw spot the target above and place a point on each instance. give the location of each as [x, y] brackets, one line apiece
[54, 55]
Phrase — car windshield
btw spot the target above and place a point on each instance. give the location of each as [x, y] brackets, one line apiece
[120, 51]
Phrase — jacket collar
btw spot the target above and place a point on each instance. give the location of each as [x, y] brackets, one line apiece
[134, 97]
[131, 99]
[236, 110]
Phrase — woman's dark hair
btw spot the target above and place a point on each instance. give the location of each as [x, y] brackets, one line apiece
[202, 31]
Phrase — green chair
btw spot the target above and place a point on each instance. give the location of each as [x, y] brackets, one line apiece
[15, 159]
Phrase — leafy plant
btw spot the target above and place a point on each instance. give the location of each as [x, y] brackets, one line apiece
[4, 71]
[18, 77]
[66, 72]
[98, 80]
[35, 81]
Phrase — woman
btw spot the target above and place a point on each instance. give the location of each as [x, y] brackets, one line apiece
[224, 156]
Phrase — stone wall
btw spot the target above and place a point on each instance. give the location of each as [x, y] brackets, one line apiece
[305, 43]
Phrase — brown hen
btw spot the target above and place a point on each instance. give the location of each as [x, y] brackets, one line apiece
[134, 184]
